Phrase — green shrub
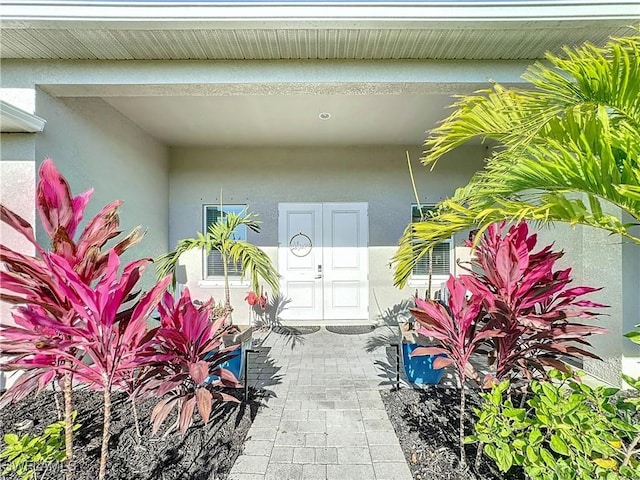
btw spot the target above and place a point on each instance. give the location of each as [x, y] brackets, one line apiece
[569, 431]
[25, 452]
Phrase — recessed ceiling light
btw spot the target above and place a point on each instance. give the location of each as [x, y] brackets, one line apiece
[324, 116]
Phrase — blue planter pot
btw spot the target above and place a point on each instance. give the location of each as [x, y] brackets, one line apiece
[420, 369]
[234, 365]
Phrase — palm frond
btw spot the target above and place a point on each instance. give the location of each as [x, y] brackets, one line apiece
[256, 264]
[570, 150]
[219, 237]
[587, 77]
[167, 263]
[231, 222]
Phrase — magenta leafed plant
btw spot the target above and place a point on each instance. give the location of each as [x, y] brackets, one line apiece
[459, 329]
[531, 302]
[112, 344]
[60, 214]
[512, 306]
[192, 342]
[27, 280]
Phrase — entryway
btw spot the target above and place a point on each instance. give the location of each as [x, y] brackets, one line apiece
[323, 259]
[324, 416]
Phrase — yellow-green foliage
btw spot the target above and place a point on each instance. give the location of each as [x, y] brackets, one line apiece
[25, 452]
[568, 431]
[566, 148]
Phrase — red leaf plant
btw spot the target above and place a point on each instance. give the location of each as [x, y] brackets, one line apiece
[257, 304]
[512, 306]
[192, 342]
[531, 303]
[251, 298]
[459, 329]
[26, 280]
[113, 346]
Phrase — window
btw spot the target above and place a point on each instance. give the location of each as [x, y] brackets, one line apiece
[440, 257]
[213, 267]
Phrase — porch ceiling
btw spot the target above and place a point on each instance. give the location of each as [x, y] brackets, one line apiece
[286, 120]
[336, 36]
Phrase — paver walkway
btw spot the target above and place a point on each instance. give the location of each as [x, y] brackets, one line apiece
[326, 419]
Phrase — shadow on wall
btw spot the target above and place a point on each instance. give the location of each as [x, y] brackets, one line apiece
[395, 314]
[388, 331]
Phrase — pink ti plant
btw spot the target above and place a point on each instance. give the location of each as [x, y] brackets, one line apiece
[532, 303]
[26, 281]
[459, 330]
[191, 340]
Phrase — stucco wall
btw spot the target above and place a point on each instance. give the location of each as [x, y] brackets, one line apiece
[93, 145]
[261, 178]
[17, 189]
[601, 260]
[631, 303]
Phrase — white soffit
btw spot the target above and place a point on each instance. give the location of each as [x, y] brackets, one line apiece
[515, 29]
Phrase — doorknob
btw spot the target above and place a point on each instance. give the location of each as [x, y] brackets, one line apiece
[319, 275]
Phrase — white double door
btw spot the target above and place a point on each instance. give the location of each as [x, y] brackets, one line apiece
[323, 259]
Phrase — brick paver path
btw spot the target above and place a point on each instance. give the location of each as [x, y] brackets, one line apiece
[326, 419]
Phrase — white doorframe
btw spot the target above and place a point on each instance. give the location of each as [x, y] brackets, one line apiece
[324, 261]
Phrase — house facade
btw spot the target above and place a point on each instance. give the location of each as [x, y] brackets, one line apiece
[303, 112]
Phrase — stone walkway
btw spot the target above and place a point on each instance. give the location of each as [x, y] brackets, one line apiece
[325, 419]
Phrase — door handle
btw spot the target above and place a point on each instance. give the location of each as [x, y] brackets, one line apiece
[317, 277]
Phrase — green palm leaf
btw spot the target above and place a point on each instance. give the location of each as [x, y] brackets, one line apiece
[570, 150]
[255, 263]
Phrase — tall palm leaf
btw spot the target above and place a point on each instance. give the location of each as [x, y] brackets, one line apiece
[255, 263]
[568, 148]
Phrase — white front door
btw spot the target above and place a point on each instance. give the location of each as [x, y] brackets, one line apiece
[323, 260]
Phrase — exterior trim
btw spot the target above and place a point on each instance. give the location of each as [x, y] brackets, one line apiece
[310, 14]
[16, 120]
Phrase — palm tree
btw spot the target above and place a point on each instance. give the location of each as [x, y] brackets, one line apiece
[220, 236]
[567, 148]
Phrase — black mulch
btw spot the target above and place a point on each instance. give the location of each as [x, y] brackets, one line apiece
[205, 452]
[427, 425]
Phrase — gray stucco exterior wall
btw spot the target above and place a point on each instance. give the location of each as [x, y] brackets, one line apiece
[93, 145]
[263, 177]
[598, 259]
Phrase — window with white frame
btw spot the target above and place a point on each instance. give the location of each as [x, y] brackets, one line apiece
[440, 258]
[213, 267]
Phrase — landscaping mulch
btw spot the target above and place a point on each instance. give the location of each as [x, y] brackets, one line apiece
[426, 422]
[205, 452]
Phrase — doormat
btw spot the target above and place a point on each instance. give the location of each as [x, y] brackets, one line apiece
[297, 330]
[350, 329]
